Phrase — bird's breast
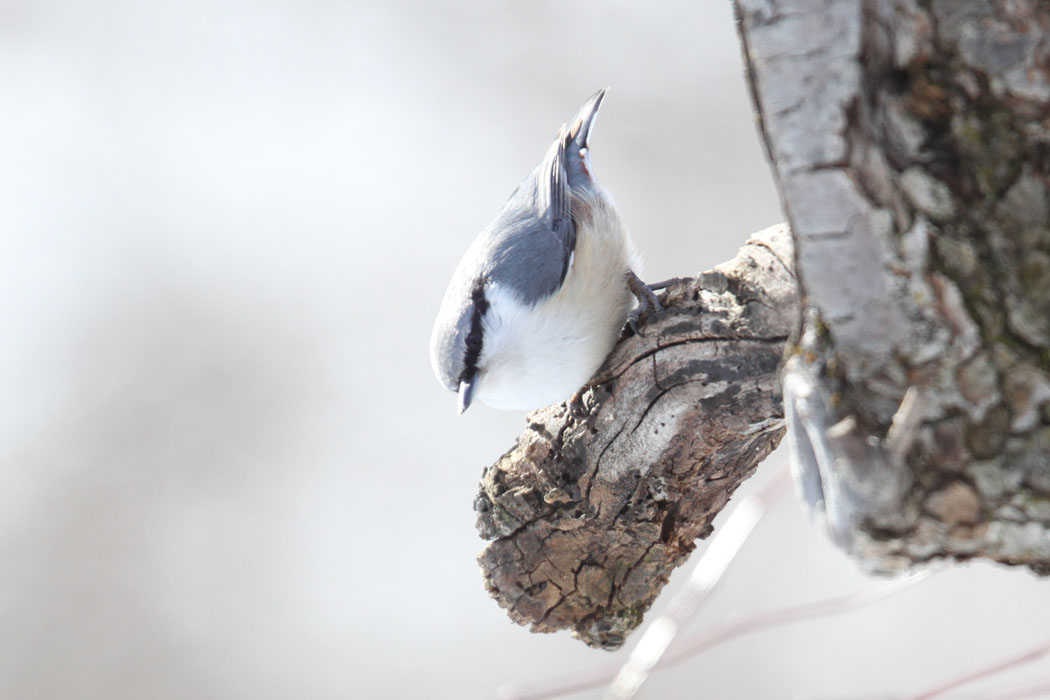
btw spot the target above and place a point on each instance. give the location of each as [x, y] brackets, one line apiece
[535, 355]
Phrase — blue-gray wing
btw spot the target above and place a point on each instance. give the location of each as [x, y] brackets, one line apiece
[532, 240]
[528, 249]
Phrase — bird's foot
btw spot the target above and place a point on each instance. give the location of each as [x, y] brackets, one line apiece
[647, 301]
[655, 286]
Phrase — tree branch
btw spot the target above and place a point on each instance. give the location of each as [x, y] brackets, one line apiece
[910, 146]
[588, 516]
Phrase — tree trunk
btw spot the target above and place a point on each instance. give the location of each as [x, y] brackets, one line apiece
[910, 145]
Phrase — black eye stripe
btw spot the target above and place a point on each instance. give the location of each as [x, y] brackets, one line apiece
[474, 337]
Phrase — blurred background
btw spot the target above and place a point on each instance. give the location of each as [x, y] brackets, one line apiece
[226, 469]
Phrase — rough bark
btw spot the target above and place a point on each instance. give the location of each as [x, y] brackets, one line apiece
[588, 516]
[910, 144]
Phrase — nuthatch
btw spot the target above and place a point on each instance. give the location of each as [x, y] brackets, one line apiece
[541, 295]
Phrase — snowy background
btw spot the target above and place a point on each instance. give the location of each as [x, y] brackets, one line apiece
[226, 470]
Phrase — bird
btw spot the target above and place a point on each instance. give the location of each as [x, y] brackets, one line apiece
[542, 294]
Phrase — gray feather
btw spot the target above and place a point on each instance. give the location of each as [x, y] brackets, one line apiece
[449, 340]
[526, 249]
[529, 245]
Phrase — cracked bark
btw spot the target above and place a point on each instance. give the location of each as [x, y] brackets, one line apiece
[910, 146]
[590, 515]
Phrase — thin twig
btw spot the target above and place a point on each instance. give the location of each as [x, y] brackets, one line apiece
[1028, 691]
[576, 682]
[586, 680]
[724, 547]
[1026, 657]
[807, 611]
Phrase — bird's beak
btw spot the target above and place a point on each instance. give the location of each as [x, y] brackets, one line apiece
[466, 394]
[581, 125]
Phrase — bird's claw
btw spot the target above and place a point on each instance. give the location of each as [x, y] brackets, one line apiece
[647, 301]
[633, 318]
